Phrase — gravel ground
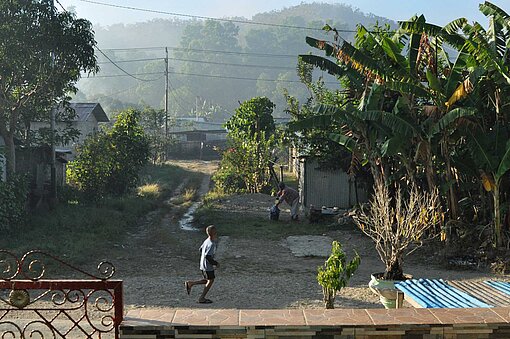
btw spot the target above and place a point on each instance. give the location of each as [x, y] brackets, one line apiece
[253, 274]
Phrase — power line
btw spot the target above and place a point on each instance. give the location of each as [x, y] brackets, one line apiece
[205, 62]
[131, 60]
[111, 95]
[233, 64]
[208, 18]
[203, 75]
[203, 51]
[176, 100]
[123, 70]
[58, 2]
[133, 75]
[106, 56]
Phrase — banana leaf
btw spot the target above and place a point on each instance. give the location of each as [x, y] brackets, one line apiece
[320, 44]
[407, 88]
[499, 15]
[393, 145]
[480, 149]
[324, 64]
[344, 140]
[449, 118]
[397, 124]
[504, 165]
[317, 121]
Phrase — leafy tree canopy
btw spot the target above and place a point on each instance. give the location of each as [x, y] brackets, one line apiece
[42, 53]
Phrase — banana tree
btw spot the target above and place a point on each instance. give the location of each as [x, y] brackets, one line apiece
[488, 52]
[491, 152]
[400, 63]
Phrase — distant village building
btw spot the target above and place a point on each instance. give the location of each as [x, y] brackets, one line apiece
[87, 119]
[197, 138]
[36, 160]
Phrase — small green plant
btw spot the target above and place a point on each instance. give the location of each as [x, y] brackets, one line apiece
[335, 273]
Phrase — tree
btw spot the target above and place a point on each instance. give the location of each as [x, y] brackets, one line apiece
[251, 139]
[109, 162]
[41, 56]
[153, 123]
[252, 117]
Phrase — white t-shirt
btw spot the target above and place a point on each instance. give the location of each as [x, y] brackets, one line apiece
[208, 248]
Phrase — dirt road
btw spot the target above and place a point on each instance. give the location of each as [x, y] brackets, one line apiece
[156, 261]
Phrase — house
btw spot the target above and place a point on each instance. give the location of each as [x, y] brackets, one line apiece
[87, 119]
[324, 187]
[197, 138]
[35, 161]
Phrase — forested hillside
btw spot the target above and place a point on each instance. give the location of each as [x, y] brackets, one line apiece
[213, 65]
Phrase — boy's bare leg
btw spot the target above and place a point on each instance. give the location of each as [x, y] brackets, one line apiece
[207, 287]
[189, 284]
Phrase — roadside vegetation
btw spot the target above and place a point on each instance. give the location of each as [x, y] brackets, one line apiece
[81, 232]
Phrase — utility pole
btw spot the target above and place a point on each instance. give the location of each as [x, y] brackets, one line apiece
[166, 92]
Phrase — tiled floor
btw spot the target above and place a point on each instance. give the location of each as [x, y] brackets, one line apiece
[296, 317]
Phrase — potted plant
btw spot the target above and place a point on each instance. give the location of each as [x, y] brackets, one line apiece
[398, 226]
[335, 273]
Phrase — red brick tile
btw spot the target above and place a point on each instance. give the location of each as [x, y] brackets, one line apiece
[402, 316]
[346, 317]
[271, 318]
[151, 314]
[207, 317]
[467, 316]
[503, 312]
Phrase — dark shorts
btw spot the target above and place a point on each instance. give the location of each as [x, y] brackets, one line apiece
[209, 275]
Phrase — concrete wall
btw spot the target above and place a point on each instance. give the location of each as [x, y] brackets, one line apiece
[405, 323]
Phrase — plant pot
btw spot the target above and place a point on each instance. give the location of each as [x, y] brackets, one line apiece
[389, 296]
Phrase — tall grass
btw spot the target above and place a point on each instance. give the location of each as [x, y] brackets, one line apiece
[82, 232]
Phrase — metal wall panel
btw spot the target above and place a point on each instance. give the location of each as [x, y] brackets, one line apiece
[327, 188]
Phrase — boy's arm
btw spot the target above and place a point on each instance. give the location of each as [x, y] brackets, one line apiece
[211, 260]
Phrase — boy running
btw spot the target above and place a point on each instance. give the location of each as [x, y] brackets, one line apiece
[207, 265]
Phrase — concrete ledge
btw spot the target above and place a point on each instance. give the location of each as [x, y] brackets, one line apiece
[413, 323]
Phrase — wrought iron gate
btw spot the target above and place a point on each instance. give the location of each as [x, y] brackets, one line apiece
[32, 306]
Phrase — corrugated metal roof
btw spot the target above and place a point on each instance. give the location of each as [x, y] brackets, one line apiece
[84, 110]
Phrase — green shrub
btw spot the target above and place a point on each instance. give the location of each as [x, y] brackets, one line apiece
[109, 162]
[13, 201]
[228, 180]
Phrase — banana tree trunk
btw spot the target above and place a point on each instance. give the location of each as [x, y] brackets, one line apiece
[429, 169]
[452, 196]
[497, 215]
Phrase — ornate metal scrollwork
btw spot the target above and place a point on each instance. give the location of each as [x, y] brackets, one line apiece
[90, 307]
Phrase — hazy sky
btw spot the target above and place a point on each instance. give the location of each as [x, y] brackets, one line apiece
[436, 11]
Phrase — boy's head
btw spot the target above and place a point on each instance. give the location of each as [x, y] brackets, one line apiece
[211, 231]
[281, 185]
